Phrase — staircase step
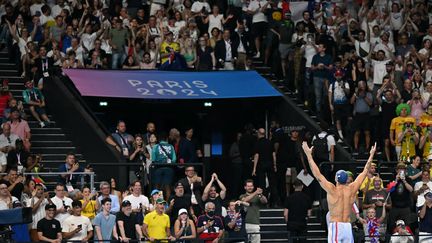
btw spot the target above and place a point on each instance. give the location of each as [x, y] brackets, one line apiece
[50, 137]
[43, 143]
[53, 150]
[57, 156]
[47, 130]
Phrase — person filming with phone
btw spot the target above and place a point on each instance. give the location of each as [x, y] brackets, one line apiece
[77, 227]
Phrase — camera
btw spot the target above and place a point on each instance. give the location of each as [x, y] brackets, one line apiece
[238, 208]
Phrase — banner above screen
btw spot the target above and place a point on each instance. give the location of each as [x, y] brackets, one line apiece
[171, 85]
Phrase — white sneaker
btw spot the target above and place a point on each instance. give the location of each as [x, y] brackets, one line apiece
[315, 203]
[41, 124]
[257, 55]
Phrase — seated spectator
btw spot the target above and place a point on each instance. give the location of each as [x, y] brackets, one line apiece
[121, 140]
[105, 223]
[192, 188]
[156, 225]
[422, 187]
[184, 227]
[72, 61]
[7, 144]
[17, 158]
[89, 204]
[373, 224]
[70, 166]
[146, 62]
[105, 191]
[6, 199]
[38, 203]
[139, 203]
[210, 194]
[402, 233]
[425, 216]
[130, 63]
[14, 182]
[375, 198]
[20, 127]
[163, 153]
[235, 224]
[49, 228]
[62, 203]
[209, 226]
[5, 97]
[35, 100]
[13, 103]
[128, 226]
[189, 53]
[76, 226]
[178, 201]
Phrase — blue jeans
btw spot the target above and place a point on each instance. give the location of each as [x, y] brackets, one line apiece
[118, 59]
[4, 34]
[318, 83]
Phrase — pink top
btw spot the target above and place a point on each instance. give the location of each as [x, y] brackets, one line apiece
[20, 128]
[416, 109]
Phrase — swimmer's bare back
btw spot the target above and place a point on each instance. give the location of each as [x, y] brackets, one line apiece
[340, 197]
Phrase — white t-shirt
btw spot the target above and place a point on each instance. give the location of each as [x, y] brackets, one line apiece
[36, 8]
[215, 21]
[197, 7]
[379, 71]
[88, 40]
[44, 19]
[420, 197]
[56, 10]
[309, 52]
[135, 201]
[365, 45]
[40, 212]
[72, 222]
[388, 49]
[330, 140]
[259, 16]
[59, 204]
[396, 20]
[339, 96]
[3, 204]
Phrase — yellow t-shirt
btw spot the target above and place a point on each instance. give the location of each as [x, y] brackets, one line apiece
[425, 118]
[90, 210]
[408, 147]
[371, 184]
[427, 148]
[163, 49]
[397, 125]
[157, 225]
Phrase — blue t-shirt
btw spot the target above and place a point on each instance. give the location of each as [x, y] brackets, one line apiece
[106, 226]
[326, 60]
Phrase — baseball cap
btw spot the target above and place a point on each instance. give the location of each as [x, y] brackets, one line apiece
[428, 195]
[400, 222]
[155, 191]
[338, 73]
[17, 204]
[126, 203]
[178, 184]
[182, 211]
[160, 201]
[341, 176]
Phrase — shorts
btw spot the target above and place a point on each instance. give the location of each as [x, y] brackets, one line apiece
[340, 232]
[162, 176]
[259, 29]
[40, 110]
[341, 111]
[284, 50]
[361, 122]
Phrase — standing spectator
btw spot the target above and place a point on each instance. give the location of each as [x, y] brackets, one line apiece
[379, 69]
[128, 227]
[373, 223]
[62, 203]
[169, 48]
[178, 201]
[184, 228]
[105, 223]
[14, 182]
[48, 228]
[76, 226]
[413, 170]
[156, 225]
[256, 8]
[89, 204]
[140, 203]
[247, 146]
[210, 194]
[362, 101]
[408, 139]
[138, 156]
[320, 63]
[241, 40]
[264, 161]
[43, 65]
[376, 197]
[401, 197]
[285, 31]
[20, 127]
[422, 187]
[119, 38]
[105, 190]
[236, 165]
[210, 226]
[338, 99]
[397, 126]
[70, 166]
[235, 221]
[38, 203]
[296, 213]
[206, 59]
[187, 153]
[121, 140]
[425, 215]
[225, 52]
[163, 153]
[192, 188]
[256, 200]
[324, 150]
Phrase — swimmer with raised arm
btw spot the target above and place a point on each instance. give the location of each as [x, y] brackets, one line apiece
[340, 197]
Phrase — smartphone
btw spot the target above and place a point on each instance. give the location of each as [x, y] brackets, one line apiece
[79, 226]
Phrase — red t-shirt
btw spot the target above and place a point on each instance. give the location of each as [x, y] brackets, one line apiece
[4, 99]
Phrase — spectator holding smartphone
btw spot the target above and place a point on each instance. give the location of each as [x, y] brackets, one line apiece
[76, 226]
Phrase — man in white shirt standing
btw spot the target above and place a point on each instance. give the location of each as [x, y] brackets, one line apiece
[77, 227]
[139, 202]
[379, 69]
[38, 202]
[259, 22]
[63, 203]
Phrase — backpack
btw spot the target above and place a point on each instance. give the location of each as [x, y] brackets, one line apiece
[320, 150]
